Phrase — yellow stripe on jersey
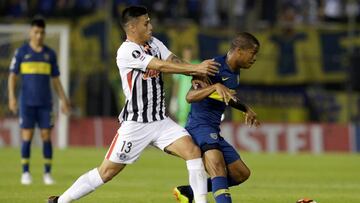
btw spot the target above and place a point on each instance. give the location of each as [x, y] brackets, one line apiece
[216, 96]
[35, 68]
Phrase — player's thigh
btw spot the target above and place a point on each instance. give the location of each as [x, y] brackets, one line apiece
[45, 117]
[205, 137]
[229, 152]
[129, 142]
[109, 169]
[237, 169]
[175, 139]
[215, 163]
[27, 117]
[185, 148]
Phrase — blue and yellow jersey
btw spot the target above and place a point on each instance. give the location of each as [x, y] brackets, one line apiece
[35, 69]
[209, 110]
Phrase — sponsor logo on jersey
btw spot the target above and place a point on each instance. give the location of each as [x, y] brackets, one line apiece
[27, 56]
[224, 78]
[151, 74]
[136, 54]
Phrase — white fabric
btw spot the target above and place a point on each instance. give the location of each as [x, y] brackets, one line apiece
[84, 185]
[197, 179]
[126, 62]
[143, 89]
[133, 137]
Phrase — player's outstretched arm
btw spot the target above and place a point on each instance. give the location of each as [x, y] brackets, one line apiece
[65, 103]
[207, 67]
[11, 92]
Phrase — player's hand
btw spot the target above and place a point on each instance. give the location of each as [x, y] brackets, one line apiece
[225, 93]
[13, 105]
[207, 67]
[66, 108]
[250, 118]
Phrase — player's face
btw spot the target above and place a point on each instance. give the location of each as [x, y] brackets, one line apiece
[246, 58]
[37, 35]
[143, 28]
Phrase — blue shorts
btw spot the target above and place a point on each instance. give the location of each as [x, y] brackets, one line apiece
[206, 136]
[40, 115]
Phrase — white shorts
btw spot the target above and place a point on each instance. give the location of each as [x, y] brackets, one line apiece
[133, 137]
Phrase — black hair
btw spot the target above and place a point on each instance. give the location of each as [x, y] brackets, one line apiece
[244, 41]
[132, 12]
[38, 22]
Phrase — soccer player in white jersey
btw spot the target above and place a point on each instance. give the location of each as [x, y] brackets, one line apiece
[141, 59]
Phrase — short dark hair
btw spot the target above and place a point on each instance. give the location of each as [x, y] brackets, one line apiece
[38, 22]
[132, 12]
[244, 41]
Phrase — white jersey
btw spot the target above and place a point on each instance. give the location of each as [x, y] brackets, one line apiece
[143, 88]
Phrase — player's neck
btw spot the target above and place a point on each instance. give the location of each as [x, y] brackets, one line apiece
[135, 40]
[36, 46]
[230, 63]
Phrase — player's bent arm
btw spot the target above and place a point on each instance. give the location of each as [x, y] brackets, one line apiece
[195, 95]
[238, 105]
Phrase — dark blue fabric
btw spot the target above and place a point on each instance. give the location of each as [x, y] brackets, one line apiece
[35, 89]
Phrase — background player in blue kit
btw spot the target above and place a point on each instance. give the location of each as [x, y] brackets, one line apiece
[37, 66]
[221, 160]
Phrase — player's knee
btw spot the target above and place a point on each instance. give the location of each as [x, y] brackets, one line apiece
[107, 174]
[241, 175]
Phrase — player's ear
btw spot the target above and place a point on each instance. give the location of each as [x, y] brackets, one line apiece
[131, 25]
[239, 51]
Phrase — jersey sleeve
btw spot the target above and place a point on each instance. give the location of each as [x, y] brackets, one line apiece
[164, 51]
[130, 55]
[15, 62]
[54, 66]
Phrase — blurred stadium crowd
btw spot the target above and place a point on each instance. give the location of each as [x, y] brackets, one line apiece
[208, 13]
[305, 70]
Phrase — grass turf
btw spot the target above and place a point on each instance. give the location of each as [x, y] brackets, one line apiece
[276, 178]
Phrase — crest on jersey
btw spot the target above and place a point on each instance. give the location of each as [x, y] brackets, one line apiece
[136, 54]
[46, 57]
[122, 156]
[214, 136]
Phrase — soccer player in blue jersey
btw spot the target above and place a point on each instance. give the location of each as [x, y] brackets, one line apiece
[36, 65]
[208, 103]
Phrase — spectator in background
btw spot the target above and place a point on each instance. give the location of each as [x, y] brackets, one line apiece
[210, 14]
[286, 40]
[182, 83]
[16, 8]
[332, 10]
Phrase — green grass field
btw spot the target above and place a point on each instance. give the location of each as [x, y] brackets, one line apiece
[276, 178]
